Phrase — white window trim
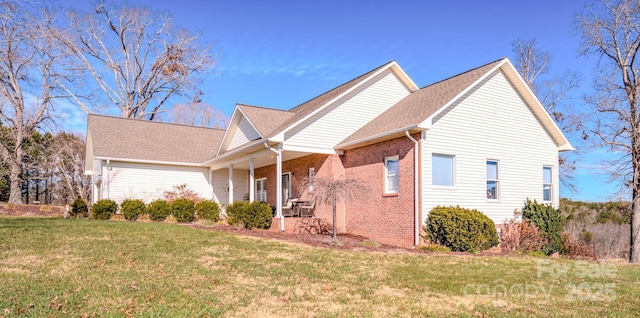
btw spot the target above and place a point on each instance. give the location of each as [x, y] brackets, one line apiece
[264, 188]
[386, 174]
[551, 184]
[312, 177]
[454, 171]
[497, 180]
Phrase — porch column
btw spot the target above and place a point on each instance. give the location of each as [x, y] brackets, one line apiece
[252, 189]
[279, 186]
[230, 184]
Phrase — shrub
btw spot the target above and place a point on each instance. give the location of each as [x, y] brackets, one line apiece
[131, 209]
[549, 221]
[104, 209]
[181, 191]
[208, 210]
[79, 208]
[577, 250]
[521, 237]
[251, 215]
[461, 229]
[158, 210]
[183, 210]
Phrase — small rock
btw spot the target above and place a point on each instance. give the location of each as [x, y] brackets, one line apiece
[555, 255]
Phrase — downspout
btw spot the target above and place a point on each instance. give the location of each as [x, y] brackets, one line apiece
[416, 201]
[108, 180]
[278, 184]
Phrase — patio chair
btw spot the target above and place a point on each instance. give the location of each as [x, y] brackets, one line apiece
[287, 210]
[308, 210]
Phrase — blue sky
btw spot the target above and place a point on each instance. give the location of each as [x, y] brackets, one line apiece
[282, 53]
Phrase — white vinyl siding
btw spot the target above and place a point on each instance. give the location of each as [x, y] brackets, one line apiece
[333, 124]
[124, 180]
[221, 185]
[490, 121]
[243, 134]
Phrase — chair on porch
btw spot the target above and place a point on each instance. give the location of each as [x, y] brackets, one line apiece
[287, 209]
[307, 210]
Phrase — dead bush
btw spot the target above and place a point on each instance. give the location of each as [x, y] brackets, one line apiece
[576, 249]
[521, 237]
[181, 191]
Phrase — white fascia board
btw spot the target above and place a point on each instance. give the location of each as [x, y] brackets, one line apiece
[157, 162]
[314, 150]
[429, 120]
[234, 122]
[245, 148]
[404, 77]
[243, 158]
[378, 137]
[317, 110]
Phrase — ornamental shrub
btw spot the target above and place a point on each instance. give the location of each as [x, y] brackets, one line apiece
[104, 209]
[79, 208]
[251, 215]
[461, 229]
[131, 209]
[183, 210]
[208, 210]
[159, 210]
[548, 220]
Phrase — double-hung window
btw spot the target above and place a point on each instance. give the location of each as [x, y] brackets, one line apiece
[391, 175]
[442, 170]
[547, 184]
[261, 190]
[493, 180]
[312, 176]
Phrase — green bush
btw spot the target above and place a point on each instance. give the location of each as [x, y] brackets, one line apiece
[183, 210]
[104, 209]
[159, 210]
[79, 208]
[251, 215]
[549, 221]
[131, 209]
[208, 210]
[461, 229]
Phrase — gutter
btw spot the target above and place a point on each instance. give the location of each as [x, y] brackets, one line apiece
[416, 201]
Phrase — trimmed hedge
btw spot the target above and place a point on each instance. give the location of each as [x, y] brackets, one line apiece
[549, 221]
[131, 209]
[461, 229]
[208, 210]
[183, 210]
[159, 210]
[79, 208]
[250, 215]
[104, 209]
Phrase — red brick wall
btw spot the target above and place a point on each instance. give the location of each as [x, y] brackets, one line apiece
[388, 219]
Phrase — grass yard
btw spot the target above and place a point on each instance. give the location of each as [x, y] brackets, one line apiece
[60, 268]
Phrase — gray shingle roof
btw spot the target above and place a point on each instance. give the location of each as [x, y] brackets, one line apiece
[418, 106]
[266, 119]
[114, 137]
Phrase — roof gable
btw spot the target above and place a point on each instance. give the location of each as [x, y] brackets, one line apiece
[129, 139]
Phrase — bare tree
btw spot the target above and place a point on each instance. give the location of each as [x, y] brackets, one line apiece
[27, 83]
[67, 162]
[199, 114]
[329, 191]
[611, 31]
[135, 58]
[532, 62]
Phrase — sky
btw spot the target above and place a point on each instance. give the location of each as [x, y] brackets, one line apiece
[281, 53]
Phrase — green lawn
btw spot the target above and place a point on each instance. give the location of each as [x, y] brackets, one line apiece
[56, 267]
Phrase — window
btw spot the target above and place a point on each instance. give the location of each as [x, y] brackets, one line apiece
[261, 190]
[442, 170]
[391, 183]
[286, 186]
[312, 176]
[547, 184]
[493, 180]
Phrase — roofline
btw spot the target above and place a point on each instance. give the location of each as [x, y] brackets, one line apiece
[235, 151]
[151, 121]
[389, 65]
[224, 137]
[160, 162]
[378, 137]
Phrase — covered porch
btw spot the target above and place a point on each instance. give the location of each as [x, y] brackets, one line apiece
[275, 175]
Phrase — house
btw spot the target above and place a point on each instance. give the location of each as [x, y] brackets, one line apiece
[480, 139]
